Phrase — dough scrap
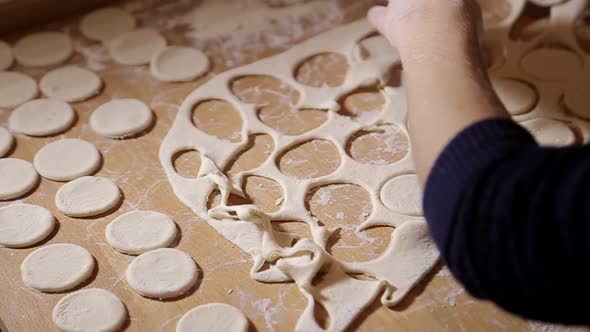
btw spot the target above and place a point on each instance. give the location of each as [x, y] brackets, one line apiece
[57, 267]
[518, 97]
[402, 194]
[6, 56]
[16, 88]
[17, 178]
[42, 117]
[213, 317]
[121, 118]
[6, 141]
[91, 309]
[548, 132]
[67, 159]
[43, 49]
[70, 83]
[87, 196]
[106, 23]
[136, 47]
[22, 225]
[179, 64]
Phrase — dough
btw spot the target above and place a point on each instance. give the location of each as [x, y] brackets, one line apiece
[67, 159]
[87, 196]
[402, 194]
[22, 225]
[121, 118]
[43, 49]
[16, 88]
[17, 178]
[563, 64]
[213, 317]
[106, 23]
[577, 100]
[6, 141]
[57, 267]
[162, 273]
[6, 57]
[548, 132]
[136, 47]
[91, 309]
[137, 232]
[42, 117]
[70, 83]
[179, 64]
[518, 97]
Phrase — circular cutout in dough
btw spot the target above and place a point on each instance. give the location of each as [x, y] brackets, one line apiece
[6, 141]
[16, 88]
[106, 23]
[43, 49]
[403, 195]
[91, 309]
[137, 232]
[577, 100]
[6, 57]
[213, 317]
[22, 225]
[548, 132]
[162, 273]
[67, 159]
[57, 267]
[70, 83]
[564, 64]
[87, 196]
[518, 97]
[17, 178]
[179, 64]
[136, 47]
[121, 118]
[42, 117]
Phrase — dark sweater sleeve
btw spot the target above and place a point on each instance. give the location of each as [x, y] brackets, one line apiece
[512, 220]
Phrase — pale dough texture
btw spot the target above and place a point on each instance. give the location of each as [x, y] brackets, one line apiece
[162, 273]
[43, 49]
[6, 57]
[17, 178]
[57, 267]
[517, 97]
[121, 118]
[213, 317]
[70, 83]
[137, 232]
[136, 47]
[91, 309]
[6, 141]
[106, 23]
[402, 194]
[87, 196]
[42, 117]
[16, 88]
[22, 225]
[67, 159]
[548, 132]
[179, 64]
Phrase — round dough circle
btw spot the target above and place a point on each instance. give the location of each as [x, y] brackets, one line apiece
[213, 317]
[87, 196]
[22, 225]
[67, 159]
[564, 64]
[136, 47]
[6, 57]
[137, 232]
[6, 141]
[57, 267]
[162, 273]
[179, 64]
[70, 83]
[121, 118]
[42, 117]
[17, 177]
[106, 23]
[403, 195]
[91, 309]
[16, 88]
[518, 97]
[548, 132]
[43, 49]
[577, 100]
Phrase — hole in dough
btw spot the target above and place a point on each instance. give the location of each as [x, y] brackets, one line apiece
[290, 121]
[321, 315]
[218, 118]
[187, 163]
[255, 154]
[294, 228]
[565, 63]
[386, 145]
[532, 22]
[403, 194]
[264, 90]
[495, 11]
[518, 96]
[549, 132]
[265, 193]
[311, 159]
[364, 104]
[326, 69]
[214, 200]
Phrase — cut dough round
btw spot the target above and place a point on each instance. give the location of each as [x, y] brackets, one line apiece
[6, 57]
[121, 118]
[6, 141]
[548, 132]
[518, 97]
[136, 47]
[91, 309]
[70, 83]
[57, 267]
[22, 225]
[42, 117]
[87, 196]
[403, 195]
[16, 88]
[577, 100]
[179, 64]
[137, 232]
[17, 177]
[564, 64]
[43, 49]
[106, 23]
[162, 273]
[67, 159]
[213, 317]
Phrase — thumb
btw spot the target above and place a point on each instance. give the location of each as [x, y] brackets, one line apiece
[378, 18]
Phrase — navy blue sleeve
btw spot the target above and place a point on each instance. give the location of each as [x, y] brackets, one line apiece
[512, 220]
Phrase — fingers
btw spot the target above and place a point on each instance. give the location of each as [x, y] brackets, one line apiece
[378, 18]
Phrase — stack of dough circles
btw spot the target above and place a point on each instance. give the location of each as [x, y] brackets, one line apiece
[136, 47]
[42, 117]
[43, 49]
[70, 83]
[6, 141]
[87, 196]
[57, 267]
[402, 194]
[67, 159]
[213, 317]
[549, 132]
[91, 309]
[179, 64]
[16, 88]
[121, 118]
[137, 232]
[162, 273]
[23, 225]
[518, 97]
[106, 23]
[6, 57]
[563, 64]
[17, 178]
